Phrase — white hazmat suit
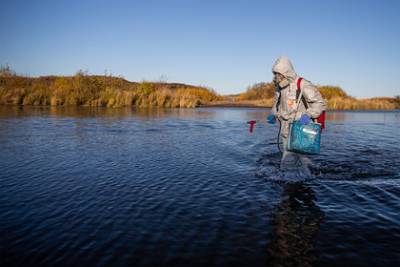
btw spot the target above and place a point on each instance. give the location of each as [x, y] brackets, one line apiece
[286, 106]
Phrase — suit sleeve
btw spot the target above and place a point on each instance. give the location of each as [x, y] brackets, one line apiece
[314, 99]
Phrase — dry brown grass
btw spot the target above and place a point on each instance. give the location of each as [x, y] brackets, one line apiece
[90, 90]
[108, 91]
[261, 94]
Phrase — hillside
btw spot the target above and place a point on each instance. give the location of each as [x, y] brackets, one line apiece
[97, 91]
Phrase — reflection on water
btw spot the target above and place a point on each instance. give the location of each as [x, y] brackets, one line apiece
[295, 226]
[243, 114]
[82, 112]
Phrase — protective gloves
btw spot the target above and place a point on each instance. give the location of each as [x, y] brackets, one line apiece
[305, 119]
[271, 119]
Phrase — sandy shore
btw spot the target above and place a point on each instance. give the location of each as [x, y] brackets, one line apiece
[242, 104]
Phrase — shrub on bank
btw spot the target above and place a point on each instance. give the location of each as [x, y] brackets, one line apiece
[91, 90]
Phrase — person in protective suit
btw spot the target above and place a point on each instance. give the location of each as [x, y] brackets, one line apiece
[286, 107]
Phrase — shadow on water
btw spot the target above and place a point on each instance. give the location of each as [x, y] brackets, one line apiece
[295, 225]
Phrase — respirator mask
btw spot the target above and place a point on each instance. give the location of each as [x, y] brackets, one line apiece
[280, 80]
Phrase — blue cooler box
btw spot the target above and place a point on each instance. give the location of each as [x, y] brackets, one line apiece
[305, 139]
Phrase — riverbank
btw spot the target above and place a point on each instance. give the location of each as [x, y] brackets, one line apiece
[264, 103]
[100, 91]
[262, 94]
[110, 91]
[368, 104]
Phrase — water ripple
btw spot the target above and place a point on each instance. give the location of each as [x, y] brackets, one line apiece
[193, 188]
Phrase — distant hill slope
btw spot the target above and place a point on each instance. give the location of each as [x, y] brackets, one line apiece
[94, 90]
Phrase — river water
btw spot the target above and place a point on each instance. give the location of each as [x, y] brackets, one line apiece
[192, 187]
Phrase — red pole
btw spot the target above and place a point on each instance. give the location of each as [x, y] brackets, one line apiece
[252, 122]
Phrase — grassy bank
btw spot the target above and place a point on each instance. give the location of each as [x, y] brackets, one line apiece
[93, 90]
[335, 96]
[110, 91]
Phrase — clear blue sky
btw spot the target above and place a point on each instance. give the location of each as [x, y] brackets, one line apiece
[226, 45]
